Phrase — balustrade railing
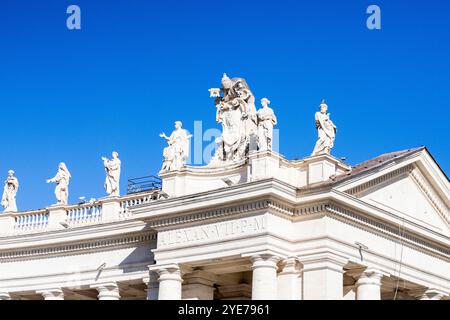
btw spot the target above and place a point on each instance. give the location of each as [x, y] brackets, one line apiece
[31, 220]
[84, 214]
[136, 199]
[74, 215]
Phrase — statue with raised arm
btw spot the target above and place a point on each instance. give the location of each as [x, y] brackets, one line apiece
[326, 131]
[112, 169]
[266, 121]
[177, 151]
[61, 179]
[236, 112]
[10, 192]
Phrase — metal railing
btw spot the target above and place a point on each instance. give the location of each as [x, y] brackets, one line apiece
[148, 183]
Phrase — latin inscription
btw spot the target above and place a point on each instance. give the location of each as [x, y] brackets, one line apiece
[212, 232]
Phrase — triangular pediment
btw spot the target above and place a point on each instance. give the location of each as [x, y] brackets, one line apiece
[414, 188]
[405, 196]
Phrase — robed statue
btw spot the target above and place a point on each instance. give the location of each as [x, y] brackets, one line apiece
[177, 152]
[112, 170]
[62, 180]
[236, 113]
[326, 131]
[10, 192]
[266, 121]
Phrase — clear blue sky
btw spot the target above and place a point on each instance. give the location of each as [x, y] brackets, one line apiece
[136, 66]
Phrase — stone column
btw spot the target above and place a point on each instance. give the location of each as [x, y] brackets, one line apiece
[169, 281]
[264, 285]
[107, 291]
[323, 276]
[4, 296]
[152, 286]
[51, 294]
[428, 294]
[368, 283]
[289, 280]
[199, 285]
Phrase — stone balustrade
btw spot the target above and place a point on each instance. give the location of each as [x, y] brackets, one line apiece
[31, 220]
[59, 217]
[84, 214]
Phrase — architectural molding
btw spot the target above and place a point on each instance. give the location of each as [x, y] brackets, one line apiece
[367, 186]
[77, 248]
[431, 194]
[387, 231]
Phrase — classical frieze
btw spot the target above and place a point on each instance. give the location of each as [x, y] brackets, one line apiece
[78, 248]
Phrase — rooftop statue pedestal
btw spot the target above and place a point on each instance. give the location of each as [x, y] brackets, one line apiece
[322, 167]
[7, 222]
[57, 217]
[191, 180]
[259, 165]
[110, 208]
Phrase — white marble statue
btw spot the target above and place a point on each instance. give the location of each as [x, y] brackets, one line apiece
[112, 169]
[236, 113]
[61, 179]
[326, 131]
[266, 121]
[177, 151]
[10, 192]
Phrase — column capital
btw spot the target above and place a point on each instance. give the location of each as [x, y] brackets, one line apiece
[51, 294]
[428, 294]
[107, 290]
[265, 260]
[290, 265]
[323, 260]
[4, 296]
[367, 275]
[167, 272]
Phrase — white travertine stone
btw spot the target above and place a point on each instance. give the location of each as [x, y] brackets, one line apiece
[112, 169]
[7, 222]
[349, 293]
[110, 209]
[4, 296]
[264, 164]
[177, 151]
[107, 291]
[62, 180]
[57, 217]
[51, 294]
[289, 280]
[236, 112]
[10, 192]
[368, 283]
[326, 131]
[429, 294]
[198, 285]
[264, 284]
[169, 281]
[266, 121]
[323, 276]
[321, 168]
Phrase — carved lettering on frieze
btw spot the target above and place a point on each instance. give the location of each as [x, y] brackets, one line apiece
[212, 232]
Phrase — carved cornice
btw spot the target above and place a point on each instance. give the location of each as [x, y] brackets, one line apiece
[356, 191]
[387, 231]
[77, 248]
[238, 209]
[434, 198]
[415, 173]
